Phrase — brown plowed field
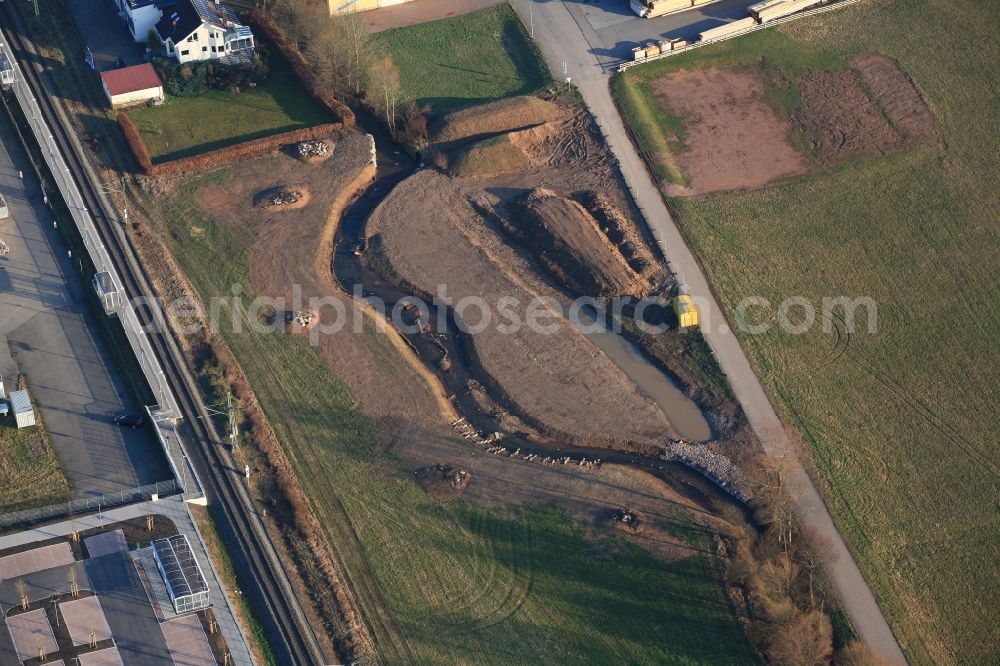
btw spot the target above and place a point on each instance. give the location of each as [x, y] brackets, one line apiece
[430, 235]
[733, 139]
[837, 109]
[896, 94]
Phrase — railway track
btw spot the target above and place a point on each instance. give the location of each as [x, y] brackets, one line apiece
[271, 591]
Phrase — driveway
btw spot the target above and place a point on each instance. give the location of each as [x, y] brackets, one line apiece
[47, 332]
[104, 33]
[564, 38]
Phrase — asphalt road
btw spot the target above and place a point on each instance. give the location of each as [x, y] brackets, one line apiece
[47, 332]
[568, 38]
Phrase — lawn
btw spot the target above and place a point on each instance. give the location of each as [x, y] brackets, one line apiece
[446, 582]
[30, 474]
[466, 60]
[901, 426]
[186, 126]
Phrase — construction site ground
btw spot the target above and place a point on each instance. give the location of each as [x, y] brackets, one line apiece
[357, 412]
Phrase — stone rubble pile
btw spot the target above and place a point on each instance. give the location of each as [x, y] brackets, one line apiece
[313, 149]
[716, 467]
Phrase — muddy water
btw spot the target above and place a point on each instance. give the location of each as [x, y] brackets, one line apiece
[434, 345]
[683, 414]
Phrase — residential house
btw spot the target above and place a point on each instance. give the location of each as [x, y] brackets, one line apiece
[197, 30]
[130, 86]
[141, 16]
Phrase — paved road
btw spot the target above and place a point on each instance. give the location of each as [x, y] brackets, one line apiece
[566, 38]
[47, 333]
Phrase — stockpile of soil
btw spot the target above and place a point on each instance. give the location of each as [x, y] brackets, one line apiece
[567, 240]
[895, 93]
[624, 233]
[427, 234]
[504, 115]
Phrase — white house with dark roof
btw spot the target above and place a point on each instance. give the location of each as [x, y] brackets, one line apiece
[196, 30]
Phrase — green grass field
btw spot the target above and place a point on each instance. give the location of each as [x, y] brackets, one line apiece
[186, 126]
[445, 582]
[902, 425]
[30, 474]
[466, 60]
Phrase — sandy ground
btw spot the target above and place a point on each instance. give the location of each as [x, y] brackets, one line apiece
[733, 138]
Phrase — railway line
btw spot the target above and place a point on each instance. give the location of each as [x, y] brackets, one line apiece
[270, 590]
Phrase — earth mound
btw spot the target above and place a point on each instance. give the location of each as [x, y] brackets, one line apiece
[568, 241]
[505, 115]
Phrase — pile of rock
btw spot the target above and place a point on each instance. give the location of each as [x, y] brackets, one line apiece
[284, 198]
[314, 149]
[716, 467]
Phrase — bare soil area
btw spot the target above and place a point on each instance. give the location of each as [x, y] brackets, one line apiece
[734, 139]
[895, 93]
[847, 123]
[567, 240]
[291, 255]
[427, 234]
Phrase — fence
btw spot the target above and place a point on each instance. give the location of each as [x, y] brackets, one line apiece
[85, 505]
[134, 330]
[760, 26]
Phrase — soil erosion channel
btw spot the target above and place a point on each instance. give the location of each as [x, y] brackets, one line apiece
[447, 350]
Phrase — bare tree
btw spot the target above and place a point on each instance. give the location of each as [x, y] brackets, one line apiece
[815, 553]
[383, 83]
[775, 506]
[354, 33]
[805, 641]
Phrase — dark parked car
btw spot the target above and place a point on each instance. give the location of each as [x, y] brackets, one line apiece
[129, 421]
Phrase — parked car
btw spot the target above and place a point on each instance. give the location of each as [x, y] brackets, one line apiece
[129, 420]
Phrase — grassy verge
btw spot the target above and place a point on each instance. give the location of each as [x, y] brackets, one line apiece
[223, 564]
[466, 60]
[900, 422]
[186, 126]
[446, 582]
[30, 474]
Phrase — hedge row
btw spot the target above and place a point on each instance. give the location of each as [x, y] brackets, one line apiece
[273, 33]
[222, 156]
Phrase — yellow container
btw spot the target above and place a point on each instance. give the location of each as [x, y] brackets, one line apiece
[687, 313]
